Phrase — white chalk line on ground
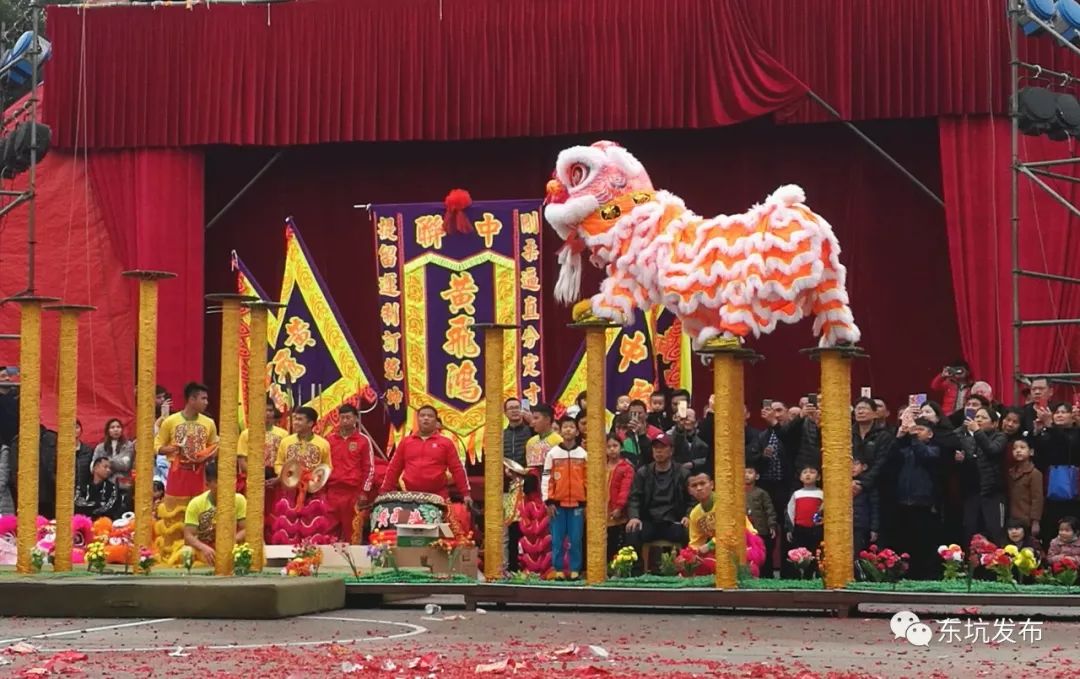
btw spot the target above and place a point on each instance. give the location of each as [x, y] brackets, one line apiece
[102, 628]
[411, 630]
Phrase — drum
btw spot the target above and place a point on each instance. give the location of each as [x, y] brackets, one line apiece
[405, 507]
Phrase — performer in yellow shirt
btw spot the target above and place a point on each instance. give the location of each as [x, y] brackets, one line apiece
[187, 439]
[303, 445]
[274, 436]
[703, 528]
[200, 518]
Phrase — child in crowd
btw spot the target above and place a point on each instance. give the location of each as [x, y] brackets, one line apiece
[159, 494]
[803, 520]
[620, 475]
[563, 487]
[1025, 487]
[864, 509]
[1066, 543]
[1016, 530]
[762, 514]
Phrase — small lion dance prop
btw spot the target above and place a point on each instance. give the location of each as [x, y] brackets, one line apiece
[725, 277]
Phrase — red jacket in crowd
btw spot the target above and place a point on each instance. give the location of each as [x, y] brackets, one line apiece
[620, 478]
[422, 464]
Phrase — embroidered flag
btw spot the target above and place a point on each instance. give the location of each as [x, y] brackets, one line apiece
[313, 359]
[435, 286]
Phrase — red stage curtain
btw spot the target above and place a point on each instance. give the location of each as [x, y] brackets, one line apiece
[76, 262]
[893, 237]
[152, 202]
[356, 70]
[897, 58]
[975, 157]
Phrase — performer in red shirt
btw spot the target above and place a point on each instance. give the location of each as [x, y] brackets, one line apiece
[354, 469]
[423, 459]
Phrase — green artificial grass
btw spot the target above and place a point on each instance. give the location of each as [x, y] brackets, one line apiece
[80, 571]
[409, 577]
[961, 587]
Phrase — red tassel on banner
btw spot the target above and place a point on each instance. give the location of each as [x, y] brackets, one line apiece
[456, 203]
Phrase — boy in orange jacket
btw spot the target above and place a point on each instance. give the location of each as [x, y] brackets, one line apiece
[563, 488]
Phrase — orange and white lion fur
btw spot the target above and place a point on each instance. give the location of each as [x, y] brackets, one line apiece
[725, 276]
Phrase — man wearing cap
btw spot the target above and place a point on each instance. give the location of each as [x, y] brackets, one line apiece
[660, 501]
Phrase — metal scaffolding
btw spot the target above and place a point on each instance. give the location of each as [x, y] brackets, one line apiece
[11, 199]
[1034, 171]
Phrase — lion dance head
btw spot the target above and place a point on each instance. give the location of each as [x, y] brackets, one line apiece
[588, 179]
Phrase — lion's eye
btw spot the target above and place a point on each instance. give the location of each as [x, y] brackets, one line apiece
[610, 212]
[578, 173]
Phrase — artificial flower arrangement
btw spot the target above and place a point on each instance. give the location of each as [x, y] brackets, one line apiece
[883, 565]
[953, 559]
[307, 557]
[187, 558]
[623, 563]
[95, 557]
[1024, 560]
[1063, 571]
[146, 560]
[804, 561]
[242, 558]
[38, 557]
[342, 550]
[1003, 562]
[452, 547]
[688, 561]
[381, 556]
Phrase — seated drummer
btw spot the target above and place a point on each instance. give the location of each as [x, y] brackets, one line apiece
[424, 459]
[200, 519]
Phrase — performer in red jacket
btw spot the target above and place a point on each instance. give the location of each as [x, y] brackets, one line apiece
[423, 460]
[354, 470]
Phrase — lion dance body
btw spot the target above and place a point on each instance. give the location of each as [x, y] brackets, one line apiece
[724, 277]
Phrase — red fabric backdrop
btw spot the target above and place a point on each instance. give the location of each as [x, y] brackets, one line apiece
[357, 70]
[975, 156]
[152, 203]
[893, 236]
[77, 262]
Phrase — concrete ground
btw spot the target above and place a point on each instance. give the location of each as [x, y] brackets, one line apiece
[406, 642]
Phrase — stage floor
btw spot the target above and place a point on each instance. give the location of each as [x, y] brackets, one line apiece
[537, 643]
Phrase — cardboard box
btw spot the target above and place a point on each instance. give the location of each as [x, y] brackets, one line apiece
[438, 561]
[421, 534]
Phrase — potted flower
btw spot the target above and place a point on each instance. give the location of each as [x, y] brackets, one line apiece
[623, 563]
[95, 557]
[146, 560]
[953, 559]
[242, 556]
[187, 558]
[884, 565]
[803, 560]
[688, 561]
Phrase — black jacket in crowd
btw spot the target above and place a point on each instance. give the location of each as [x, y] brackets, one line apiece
[865, 510]
[1056, 446]
[917, 471]
[641, 504]
[981, 469]
[873, 451]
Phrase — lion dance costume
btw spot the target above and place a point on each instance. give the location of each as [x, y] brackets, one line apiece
[724, 277]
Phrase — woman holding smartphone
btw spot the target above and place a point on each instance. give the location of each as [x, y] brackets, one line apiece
[1057, 456]
[983, 484]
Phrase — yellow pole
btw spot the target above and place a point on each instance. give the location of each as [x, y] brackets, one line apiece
[66, 400]
[737, 443]
[836, 463]
[225, 533]
[723, 469]
[596, 487]
[146, 382]
[494, 521]
[29, 431]
[256, 414]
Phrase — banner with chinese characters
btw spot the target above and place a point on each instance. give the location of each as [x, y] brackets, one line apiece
[435, 287]
[649, 352]
[246, 285]
[313, 358]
